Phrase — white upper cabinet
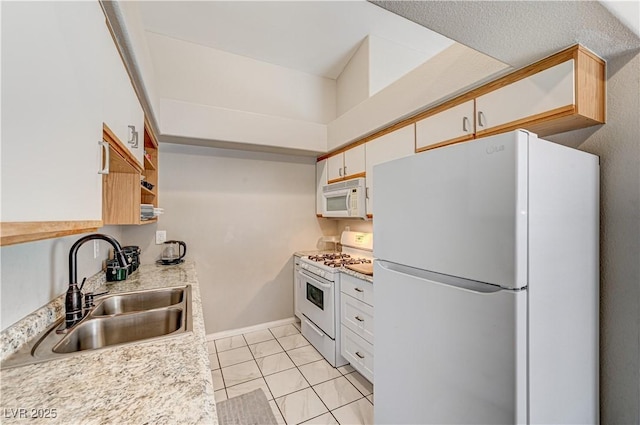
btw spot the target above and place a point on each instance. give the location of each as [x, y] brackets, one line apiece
[347, 165]
[397, 144]
[541, 93]
[354, 162]
[335, 165]
[321, 180]
[52, 74]
[122, 111]
[450, 125]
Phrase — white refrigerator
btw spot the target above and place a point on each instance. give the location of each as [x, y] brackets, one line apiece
[487, 284]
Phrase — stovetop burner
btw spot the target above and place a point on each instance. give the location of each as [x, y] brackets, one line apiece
[336, 260]
[328, 257]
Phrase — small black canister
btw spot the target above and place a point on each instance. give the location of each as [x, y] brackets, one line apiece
[115, 273]
[132, 253]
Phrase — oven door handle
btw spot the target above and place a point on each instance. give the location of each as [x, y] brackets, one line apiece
[316, 281]
[324, 285]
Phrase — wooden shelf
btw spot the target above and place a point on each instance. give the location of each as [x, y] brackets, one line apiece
[146, 192]
[18, 232]
[148, 165]
[151, 167]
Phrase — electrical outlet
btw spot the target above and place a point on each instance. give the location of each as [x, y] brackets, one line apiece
[161, 236]
[96, 249]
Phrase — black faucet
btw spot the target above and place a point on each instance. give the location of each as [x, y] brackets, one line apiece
[73, 299]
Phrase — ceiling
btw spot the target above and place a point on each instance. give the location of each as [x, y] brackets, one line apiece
[521, 32]
[315, 37]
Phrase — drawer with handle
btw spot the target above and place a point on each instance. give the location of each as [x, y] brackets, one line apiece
[357, 288]
[357, 316]
[358, 352]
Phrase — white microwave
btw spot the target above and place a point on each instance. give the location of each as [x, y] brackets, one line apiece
[345, 199]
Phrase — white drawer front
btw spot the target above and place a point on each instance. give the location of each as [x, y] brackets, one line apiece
[357, 288]
[358, 352]
[321, 341]
[357, 316]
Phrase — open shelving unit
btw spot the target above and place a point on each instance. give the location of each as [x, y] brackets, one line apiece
[122, 191]
[150, 171]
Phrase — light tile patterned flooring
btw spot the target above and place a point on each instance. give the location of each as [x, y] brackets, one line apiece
[301, 386]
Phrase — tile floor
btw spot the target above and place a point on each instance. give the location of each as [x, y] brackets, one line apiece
[301, 386]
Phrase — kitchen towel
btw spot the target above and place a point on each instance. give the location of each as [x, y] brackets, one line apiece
[246, 409]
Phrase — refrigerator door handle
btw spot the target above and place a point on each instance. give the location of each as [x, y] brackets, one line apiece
[442, 279]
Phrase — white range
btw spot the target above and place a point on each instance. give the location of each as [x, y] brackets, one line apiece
[318, 292]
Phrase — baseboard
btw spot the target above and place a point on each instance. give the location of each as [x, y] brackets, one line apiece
[233, 332]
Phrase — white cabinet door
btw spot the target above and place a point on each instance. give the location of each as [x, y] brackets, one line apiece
[453, 124]
[545, 91]
[52, 72]
[335, 166]
[321, 180]
[121, 106]
[397, 144]
[354, 161]
[346, 164]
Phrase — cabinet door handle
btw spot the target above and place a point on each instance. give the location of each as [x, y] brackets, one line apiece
[465, 124]
[107, 152]
[345, 171]
[481, 122]
[366, 192]
[359, 319]
[359, 355]
[359, 290]
[340, 171]
[133, 138]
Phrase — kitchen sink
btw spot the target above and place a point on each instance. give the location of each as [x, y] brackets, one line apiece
[116, 320]
[106, 331]
[137, 301]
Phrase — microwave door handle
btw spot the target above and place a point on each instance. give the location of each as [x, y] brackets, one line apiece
[349, 203]
[336, 193]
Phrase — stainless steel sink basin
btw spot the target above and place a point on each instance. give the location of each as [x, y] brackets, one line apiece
[118, 319]
[106, 331]
[138, 301]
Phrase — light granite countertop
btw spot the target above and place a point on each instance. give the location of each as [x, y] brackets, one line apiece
[164, 381]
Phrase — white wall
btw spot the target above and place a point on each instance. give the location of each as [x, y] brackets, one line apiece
[137, 45]
[355, 226]
[199, 83]
[352, 85]
[34, 273]
[204, 122]
[242, 215]
[616, 143]
[389, 61]
[203, 75]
